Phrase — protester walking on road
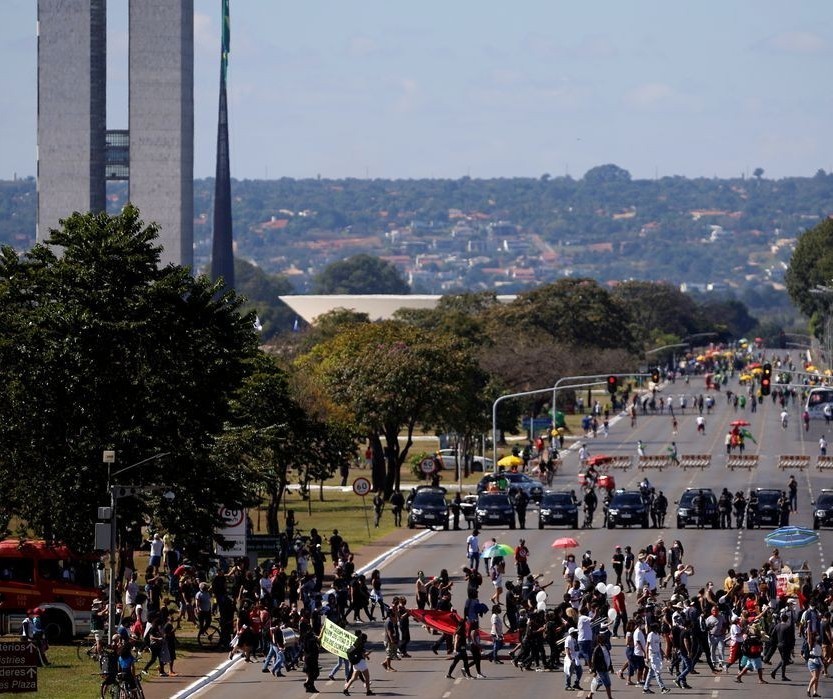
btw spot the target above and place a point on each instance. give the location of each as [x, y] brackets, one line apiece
[358, 656]
[460, 651]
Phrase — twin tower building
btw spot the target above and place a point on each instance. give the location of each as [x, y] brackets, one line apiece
[77, 154]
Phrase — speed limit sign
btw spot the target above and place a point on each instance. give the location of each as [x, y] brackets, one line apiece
[361, 486]
[427, 465]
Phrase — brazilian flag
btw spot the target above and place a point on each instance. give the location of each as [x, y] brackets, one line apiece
[225, 40]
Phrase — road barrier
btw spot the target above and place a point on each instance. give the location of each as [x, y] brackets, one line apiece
[793, 461]
[695, 460]
[824, 462]
[749, 461]
[657, 462]
[620, 462]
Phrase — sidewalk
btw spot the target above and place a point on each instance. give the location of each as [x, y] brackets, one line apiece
[199, 664]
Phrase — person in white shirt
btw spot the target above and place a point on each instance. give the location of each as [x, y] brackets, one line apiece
[497, 631]
[654, 661]
[572, 663]
[822, 446]
[640, 650]
[473, 550]
[585, 634]
[156, 548]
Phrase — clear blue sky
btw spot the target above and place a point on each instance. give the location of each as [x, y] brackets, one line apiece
[383, 88]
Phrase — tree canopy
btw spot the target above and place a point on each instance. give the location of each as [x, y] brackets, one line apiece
[103, 349]
[812, 265]
[360, 274]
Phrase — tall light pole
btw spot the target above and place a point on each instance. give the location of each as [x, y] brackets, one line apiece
[109, 458]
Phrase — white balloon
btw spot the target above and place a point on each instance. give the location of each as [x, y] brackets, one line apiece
[611, 615]
[542, 606]
[601, 588]
[541, 596]
[616, 590]
[609, 589]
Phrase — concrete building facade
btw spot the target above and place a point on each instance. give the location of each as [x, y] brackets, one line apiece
[72, 109]
[161, 121]
[76, 153]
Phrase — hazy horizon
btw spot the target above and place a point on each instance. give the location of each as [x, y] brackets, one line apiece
[445, 90]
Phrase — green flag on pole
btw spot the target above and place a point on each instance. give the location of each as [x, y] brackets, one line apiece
[225, 45]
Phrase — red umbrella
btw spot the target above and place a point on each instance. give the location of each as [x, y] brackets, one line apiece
[565, 542]
[598, 459]
[739, 423]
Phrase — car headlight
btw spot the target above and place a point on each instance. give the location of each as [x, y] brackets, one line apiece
[545, 512]
[613, 512]
[820, 513]
[683, 512]
[481, 512]
[417, 510]
[509, 511]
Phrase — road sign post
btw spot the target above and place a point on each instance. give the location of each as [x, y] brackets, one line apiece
[361, 487]
[19, 667]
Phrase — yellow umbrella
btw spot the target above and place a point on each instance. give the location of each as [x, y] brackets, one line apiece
[758, 370]
[810, 367]
[701, 358]
[510, 460]
[745, 377]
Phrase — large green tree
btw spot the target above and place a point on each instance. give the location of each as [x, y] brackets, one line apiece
[100, 349]
[360, 274]
[392, 377]
[811, 266]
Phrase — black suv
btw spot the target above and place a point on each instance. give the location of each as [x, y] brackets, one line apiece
[626, 508]
[686, 513]
[557, 507]
[428, 508]
[823, 509]
[494, 508]
[768, 510]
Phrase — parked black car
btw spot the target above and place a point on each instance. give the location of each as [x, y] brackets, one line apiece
[557, 507]
[428, 508]
[514, 482]
[686, 513]
[823, 509]
[494, 508]
[768, 510]
[627, 508]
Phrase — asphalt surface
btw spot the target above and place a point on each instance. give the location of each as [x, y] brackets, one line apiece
[711, 552]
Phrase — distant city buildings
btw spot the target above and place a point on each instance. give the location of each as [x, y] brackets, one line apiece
[77, 155]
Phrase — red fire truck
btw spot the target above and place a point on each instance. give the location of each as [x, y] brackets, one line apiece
[37, 574]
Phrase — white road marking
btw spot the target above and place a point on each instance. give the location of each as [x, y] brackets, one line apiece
[446, 695]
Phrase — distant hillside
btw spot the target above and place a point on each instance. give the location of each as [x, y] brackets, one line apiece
[507, 234]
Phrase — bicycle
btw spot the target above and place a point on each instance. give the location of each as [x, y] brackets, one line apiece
[127, 689]
[209, 637]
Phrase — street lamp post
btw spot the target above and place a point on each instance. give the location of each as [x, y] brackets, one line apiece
[109, 459]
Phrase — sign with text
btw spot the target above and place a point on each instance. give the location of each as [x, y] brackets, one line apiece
[18, 667]
[361, 486]
[234, 531]
[337, 640]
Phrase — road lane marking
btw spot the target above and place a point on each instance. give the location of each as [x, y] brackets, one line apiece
[446, 695]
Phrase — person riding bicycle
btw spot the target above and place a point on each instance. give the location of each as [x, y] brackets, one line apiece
[127, 665]
[590, 504]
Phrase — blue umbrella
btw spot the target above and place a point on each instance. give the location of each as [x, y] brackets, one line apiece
[792, 537]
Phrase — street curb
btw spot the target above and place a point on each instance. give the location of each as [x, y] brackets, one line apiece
[377, 562]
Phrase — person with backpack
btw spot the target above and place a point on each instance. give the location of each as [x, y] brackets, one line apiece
[753, 649]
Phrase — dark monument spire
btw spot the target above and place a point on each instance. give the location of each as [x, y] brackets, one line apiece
[222, 255]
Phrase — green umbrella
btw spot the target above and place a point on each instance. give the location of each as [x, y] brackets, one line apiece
[498, 550]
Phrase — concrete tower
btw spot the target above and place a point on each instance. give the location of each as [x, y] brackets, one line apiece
[161, 85]
[72, 105]
[76, 152]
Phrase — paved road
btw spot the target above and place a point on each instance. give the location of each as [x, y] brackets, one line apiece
[711, 552]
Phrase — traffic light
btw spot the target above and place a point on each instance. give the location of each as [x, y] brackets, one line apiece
[766, 380]
[612, 385]
[655, 375]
